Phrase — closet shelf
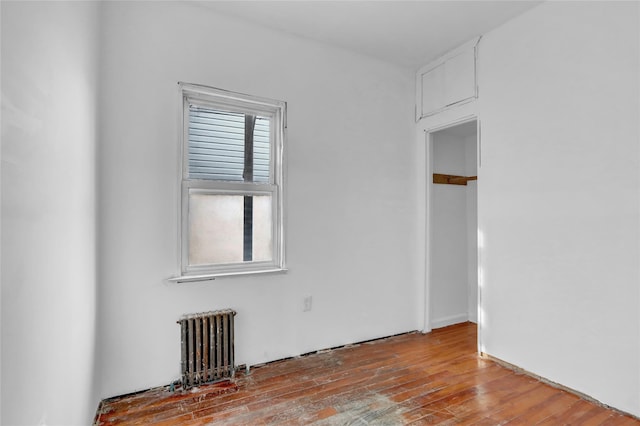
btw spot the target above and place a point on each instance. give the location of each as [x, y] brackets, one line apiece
[452, 179]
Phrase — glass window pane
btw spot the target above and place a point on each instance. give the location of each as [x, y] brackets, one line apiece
[262, 227]
[229, 229]
[215, 229]
[217, 143]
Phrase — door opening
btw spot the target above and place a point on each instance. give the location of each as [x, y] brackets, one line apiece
[452, 225]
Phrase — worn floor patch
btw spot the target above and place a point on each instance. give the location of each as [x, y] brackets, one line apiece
[370, 409]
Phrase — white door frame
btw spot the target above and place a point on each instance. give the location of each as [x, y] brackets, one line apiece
[427, 186]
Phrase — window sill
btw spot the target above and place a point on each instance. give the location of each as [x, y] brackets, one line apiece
[213, 276]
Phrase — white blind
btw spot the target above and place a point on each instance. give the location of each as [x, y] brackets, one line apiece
[216, 145]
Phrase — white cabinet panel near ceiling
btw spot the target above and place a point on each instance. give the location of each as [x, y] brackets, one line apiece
[460, 77]
[433, 86]
[447, 81]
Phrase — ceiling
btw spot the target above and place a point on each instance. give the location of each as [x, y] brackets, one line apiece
[407, 33]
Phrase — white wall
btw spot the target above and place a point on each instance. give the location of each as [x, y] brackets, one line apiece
[49, 83]
[559, 196]
[350, 194]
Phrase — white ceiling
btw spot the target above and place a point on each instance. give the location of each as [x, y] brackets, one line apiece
[407, 33]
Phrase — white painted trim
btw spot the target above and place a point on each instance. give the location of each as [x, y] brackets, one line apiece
[451, 117]
[242, 103]
[457, 113]
[428, 171]
[425, 166]
[480, 236]
[211, 277]
[449, 320]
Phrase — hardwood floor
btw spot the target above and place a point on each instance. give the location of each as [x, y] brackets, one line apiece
[414, 379]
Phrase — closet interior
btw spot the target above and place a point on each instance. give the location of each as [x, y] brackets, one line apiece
[453, 226]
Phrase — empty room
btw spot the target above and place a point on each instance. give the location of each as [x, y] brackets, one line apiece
[320, 212]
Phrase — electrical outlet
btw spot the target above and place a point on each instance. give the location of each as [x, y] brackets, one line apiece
[307, 304]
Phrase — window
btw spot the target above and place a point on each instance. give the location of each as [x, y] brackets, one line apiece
[232, 176]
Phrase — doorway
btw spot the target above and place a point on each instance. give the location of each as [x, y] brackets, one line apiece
[452, 224]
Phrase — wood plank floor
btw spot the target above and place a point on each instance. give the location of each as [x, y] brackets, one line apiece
[413, 378]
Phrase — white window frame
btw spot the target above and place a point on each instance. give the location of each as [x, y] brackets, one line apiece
[236, 102]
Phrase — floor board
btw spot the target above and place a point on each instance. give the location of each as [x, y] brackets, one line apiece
[411, 379]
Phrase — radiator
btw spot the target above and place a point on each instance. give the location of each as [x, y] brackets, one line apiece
[207, 347]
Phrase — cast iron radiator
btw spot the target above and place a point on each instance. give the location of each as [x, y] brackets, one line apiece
[207, 347]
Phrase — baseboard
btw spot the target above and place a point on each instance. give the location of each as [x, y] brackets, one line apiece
[449, 320]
